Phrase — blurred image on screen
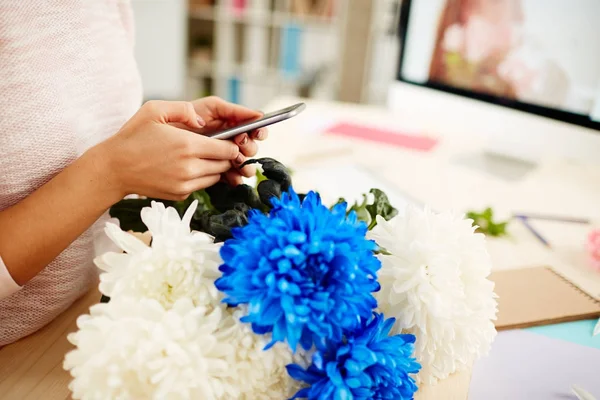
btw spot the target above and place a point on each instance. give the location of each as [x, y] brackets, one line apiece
[541, 52]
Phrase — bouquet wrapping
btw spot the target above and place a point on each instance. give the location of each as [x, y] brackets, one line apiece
[265, 293]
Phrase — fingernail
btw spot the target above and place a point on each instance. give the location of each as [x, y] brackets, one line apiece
[260, 135]
[239, 159]
[244, 140]
[200, 121]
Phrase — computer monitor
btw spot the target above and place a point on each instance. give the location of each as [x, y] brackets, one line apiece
[529, 69]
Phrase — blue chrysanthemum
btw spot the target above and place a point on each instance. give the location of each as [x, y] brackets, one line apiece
[368, 364]
[306, 272]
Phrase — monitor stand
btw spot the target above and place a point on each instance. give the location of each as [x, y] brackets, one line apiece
[497, 165]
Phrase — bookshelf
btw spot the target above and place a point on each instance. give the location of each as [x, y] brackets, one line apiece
[250, 51]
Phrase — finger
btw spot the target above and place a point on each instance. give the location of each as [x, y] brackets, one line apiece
[232, 112]
[198, 168]
[248, 147]
[247, 171]
[173, 112]
[203, 182]
[233, 177]
[179, 125]
[213, 149]
[260, 134]
[182, 190]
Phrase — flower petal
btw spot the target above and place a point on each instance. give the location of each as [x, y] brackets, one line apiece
[124, 240]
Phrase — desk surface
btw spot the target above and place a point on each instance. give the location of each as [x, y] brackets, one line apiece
[32, 367]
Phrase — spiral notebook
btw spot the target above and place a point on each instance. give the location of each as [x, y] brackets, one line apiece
[539, 296]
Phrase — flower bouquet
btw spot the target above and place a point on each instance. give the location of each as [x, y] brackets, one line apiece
[264, 293]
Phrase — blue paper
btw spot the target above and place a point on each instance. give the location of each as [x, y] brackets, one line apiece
[579, 332]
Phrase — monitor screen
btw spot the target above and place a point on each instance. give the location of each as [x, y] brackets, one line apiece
[539, 56]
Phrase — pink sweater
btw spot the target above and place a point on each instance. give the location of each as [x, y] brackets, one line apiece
[68, 80]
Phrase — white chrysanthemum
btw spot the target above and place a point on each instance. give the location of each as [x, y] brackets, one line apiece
[259, 374]
[136, 349]
[178, 264]
[435, 283]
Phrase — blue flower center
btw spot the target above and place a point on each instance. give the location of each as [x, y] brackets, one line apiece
[316, 270]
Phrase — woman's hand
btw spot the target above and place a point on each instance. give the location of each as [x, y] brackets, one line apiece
[217, 115]
[150, 156]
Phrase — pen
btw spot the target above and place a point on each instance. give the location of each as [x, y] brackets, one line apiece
[553, 218]
[533, 231]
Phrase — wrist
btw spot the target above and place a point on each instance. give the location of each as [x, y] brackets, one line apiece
[96, 162]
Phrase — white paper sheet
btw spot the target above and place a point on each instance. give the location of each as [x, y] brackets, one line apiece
[528, 366]
[347, 181]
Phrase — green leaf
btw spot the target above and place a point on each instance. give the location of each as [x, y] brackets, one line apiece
[204, 203]
[340, 201]
[381, 206]
[259, 177]
[368, 212]
[181, 206]
[484, 221]
[383, 251]
[361, 210]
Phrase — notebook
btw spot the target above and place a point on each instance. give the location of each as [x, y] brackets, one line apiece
[539, 296]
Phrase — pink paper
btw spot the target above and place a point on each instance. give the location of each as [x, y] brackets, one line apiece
[410, 141]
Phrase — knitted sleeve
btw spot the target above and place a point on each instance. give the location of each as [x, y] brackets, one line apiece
[7, 284]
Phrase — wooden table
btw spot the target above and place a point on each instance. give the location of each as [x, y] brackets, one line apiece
[32, 367]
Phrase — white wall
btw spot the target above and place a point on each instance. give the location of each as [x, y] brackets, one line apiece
[161, 47]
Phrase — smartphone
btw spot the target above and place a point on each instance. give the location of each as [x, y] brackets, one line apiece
[265, 120]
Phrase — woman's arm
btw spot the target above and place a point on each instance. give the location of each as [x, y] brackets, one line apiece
[34, 231]
[148, 157]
